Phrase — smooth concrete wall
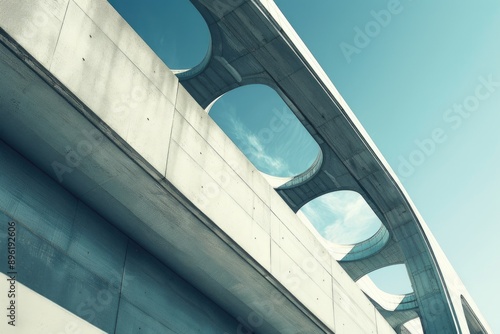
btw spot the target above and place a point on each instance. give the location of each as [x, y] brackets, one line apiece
[100, 59]
[69, 254]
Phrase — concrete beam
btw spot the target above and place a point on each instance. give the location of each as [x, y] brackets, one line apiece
[161, 171]
[265, 49]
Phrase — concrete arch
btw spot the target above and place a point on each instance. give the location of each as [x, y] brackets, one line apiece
[259, 45]
[364, 249]
[331, 211]
[331, 176]
[264, 128]
[226, 66]
[398, 310]
[286, 182]
[387, 301]
[306, 175]
[194, 71]
[166, 31]
[401, 287]
[389, 255]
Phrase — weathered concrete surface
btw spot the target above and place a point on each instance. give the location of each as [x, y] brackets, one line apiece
[102, 115]
[72, 256]
[253, 43]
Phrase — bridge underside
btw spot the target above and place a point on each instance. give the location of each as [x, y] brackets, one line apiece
[183, 205]
[253, 43]
[76, 257]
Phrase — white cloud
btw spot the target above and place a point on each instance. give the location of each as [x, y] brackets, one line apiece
[342, 217]
[255, 150]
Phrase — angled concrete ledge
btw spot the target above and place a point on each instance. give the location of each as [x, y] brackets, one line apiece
[163, 172]
[264, 48]
[75, 74]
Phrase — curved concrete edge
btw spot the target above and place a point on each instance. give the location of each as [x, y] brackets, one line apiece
[413, 326]
[93, 62]
[367, 248]
[442, 311]
[452, 283]
[306, 175]
[387, 301]
[192, 72]
[276, 181]
[126, 190]
[273, 11]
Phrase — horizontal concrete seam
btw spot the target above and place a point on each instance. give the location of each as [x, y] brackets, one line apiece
[273, 280]
[217, 152]
[310, 254]
[213, 180]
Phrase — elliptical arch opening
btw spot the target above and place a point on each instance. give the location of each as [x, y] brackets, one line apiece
[260, 123]
[344, 218]
[392, 279]
[173, 29]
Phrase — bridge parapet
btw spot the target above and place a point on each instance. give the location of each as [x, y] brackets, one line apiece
[196, 202]
[164, 172]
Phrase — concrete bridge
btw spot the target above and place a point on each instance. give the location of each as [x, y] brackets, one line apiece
[136, 213]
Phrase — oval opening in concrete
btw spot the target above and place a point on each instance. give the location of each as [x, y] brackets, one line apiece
[173, 29]
[392, 279]
[342, 217]
[259, 122]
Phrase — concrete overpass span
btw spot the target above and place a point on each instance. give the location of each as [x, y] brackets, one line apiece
[136, 213]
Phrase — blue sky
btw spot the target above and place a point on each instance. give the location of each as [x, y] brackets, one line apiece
[425, 85]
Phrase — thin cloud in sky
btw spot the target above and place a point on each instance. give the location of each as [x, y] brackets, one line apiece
[259, 122]
[255, 150]
[342, 217]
